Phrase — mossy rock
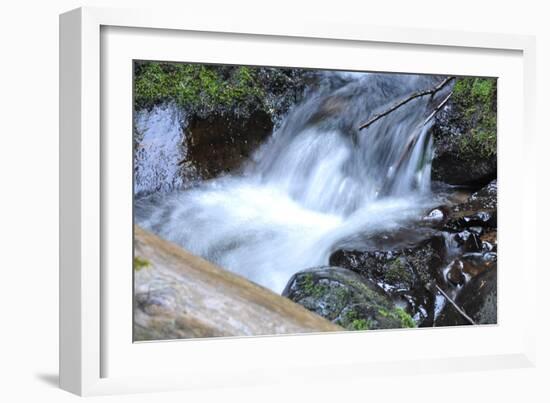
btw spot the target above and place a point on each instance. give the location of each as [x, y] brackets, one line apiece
[401, 266]
[203, 89]
[346, 299]
[228, 111]
[141, 263]
[465, 134]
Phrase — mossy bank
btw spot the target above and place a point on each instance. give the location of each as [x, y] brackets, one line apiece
[465, 134]
[229, 110]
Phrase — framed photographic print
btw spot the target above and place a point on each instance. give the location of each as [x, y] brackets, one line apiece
[230, 193]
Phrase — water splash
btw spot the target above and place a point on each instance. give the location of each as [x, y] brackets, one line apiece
[315, 183]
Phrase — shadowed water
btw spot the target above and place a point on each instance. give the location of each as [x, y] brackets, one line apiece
[316, 182]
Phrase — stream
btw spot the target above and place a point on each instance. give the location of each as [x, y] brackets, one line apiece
[314, 185]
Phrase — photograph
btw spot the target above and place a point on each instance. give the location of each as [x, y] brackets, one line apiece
[224, 201]
[286, 200]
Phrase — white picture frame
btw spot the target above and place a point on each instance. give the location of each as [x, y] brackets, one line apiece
[87, 345]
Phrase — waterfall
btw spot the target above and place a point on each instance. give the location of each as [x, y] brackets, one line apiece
[315, 183]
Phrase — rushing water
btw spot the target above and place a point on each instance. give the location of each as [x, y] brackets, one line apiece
[316, 183]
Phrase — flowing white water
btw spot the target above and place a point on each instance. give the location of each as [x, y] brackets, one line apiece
[315, 184]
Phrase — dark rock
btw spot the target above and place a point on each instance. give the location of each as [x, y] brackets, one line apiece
[468, 241]
[489, 241]
[477, 263]
[455, 274]
[220, 144]
[481, 218]
[478, 299]
[450, 166]
[221, 139]
[346, 299]
[485, 198]
[401, 268]
[464, 135]
[478, 213]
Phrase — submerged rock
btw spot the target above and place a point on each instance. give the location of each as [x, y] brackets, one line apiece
[346, 299]
[402, 269]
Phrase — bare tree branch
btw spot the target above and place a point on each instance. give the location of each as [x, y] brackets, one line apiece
[441, 105]
[413, 138]
[459, 310]
[431, 91]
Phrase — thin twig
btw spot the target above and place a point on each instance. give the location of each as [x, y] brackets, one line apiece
[431, 91]
[441, 105]
[414, 137]
[460, 311]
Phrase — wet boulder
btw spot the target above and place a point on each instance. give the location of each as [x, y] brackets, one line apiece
[477, 263]
[468, 266]
[478, 213]
[465, 134]
[346, 299]
[452, 167]
[485, 198]
[401, 269]
[226, 111]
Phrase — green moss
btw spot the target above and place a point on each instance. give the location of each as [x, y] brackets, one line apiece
[312, 289]
[404, 317]
[353, 321]
[476, 99]
[398, 314]
[194, 85]
[342, 295]
[398, 273]
[360, 324]
[140, 263]
[308, 283]
[469, 91]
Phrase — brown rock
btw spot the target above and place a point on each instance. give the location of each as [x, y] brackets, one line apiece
[179, 295]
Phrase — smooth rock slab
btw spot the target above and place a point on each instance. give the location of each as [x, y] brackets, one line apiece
[179, 295]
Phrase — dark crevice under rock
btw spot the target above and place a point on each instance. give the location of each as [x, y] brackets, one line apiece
[219, 144]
